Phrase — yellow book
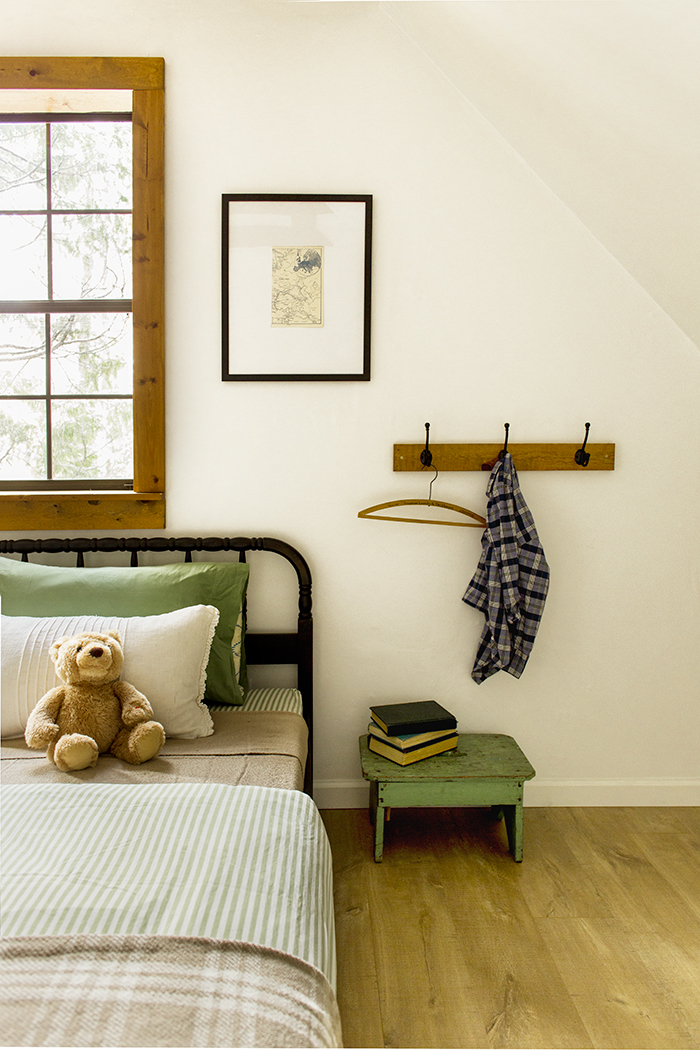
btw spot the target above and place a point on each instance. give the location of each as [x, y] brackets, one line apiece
[405, 758]
[406, 741]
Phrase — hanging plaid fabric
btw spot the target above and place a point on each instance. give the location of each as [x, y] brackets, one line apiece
[512, 579]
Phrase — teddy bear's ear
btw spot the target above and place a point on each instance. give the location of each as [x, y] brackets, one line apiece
[115, 635]
[55, 648]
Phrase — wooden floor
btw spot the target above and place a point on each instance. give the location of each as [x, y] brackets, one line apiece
[593, 941]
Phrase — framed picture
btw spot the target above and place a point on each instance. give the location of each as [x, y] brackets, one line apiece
[296, 286]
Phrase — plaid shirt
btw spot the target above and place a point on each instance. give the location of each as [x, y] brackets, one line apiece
[511, 581]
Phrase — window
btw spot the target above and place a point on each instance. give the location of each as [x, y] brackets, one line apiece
[70, 400]
[66, 360]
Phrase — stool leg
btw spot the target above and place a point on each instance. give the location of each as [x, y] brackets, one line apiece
[379, 834]
[373, 794]
[514, 827]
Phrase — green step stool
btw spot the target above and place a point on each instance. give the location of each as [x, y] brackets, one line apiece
[487, 769]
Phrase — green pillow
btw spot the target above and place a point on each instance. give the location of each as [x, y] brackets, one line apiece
[28, 589]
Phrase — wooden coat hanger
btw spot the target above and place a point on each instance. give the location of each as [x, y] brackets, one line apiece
[426, 459]
[478, 523]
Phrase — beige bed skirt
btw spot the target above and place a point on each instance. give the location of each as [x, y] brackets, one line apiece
[265, 748]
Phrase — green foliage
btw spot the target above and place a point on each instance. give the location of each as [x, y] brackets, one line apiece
[22, 445]
[92, 438]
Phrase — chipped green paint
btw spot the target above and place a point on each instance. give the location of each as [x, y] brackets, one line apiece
[486, 769]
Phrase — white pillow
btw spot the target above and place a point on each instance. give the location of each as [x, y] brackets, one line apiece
[165, 657]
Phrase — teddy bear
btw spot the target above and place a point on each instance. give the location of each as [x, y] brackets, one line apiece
[92, 712]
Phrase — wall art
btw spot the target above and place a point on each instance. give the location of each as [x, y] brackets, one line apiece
[296, 286]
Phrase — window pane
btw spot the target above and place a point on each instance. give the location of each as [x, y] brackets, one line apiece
[91, 165]
[23, 273]
[92, 257]
[22, 440]
[22, 166]
[92, 439]
[22, 354]
[91, 353]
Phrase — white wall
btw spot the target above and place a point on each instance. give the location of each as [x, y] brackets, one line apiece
[601, 100]
[492, 302]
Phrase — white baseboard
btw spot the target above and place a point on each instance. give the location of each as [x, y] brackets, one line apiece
[354, 794]
[341, 794]
[652, 792]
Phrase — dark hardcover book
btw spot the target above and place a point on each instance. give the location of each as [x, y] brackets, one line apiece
[407, 758]
[406, 741]
[417, 716]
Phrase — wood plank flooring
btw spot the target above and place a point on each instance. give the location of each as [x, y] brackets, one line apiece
[592, 942]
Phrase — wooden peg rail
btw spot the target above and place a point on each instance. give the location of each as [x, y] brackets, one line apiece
[525, 457]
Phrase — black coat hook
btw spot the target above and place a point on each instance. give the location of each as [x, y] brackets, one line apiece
[503, 451]
[501, 454]
[426, 456]
[581, 456]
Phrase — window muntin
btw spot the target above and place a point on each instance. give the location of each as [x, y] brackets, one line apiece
[65, 253]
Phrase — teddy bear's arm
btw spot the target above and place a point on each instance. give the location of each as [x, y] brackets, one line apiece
[135, 706]
[41, 725]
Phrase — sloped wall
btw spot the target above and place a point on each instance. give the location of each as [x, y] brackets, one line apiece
[601, 100]
[492, 302]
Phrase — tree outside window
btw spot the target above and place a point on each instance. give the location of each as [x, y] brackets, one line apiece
[65, 301]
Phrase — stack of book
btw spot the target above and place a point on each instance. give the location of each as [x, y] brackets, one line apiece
[408, 732]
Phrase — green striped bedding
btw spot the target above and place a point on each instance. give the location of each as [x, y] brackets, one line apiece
[208, 860]
[267, 700]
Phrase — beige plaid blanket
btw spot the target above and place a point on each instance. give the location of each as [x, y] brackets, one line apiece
[114, 991]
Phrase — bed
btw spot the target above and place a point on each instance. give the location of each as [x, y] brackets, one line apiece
[187, 901]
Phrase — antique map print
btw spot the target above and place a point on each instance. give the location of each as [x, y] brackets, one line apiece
[297, 287]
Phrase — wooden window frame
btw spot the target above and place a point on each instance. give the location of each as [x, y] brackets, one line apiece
[144, 506]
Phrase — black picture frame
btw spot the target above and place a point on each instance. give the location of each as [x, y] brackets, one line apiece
[296, 287]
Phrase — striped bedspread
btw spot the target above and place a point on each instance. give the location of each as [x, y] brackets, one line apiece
[247, 864]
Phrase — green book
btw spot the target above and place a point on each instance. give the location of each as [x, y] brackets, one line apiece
[417, 716]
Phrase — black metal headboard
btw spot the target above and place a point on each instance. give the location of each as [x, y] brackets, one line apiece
[261, 647]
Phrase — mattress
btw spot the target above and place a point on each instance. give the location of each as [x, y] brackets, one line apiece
[263, 742]
[246, 864]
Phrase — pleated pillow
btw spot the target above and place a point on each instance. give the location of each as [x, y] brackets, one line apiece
[165, 658]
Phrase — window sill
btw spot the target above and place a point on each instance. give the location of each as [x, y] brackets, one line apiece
[81, 510]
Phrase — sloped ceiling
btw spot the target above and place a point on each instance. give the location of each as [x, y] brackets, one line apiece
[601, 98]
